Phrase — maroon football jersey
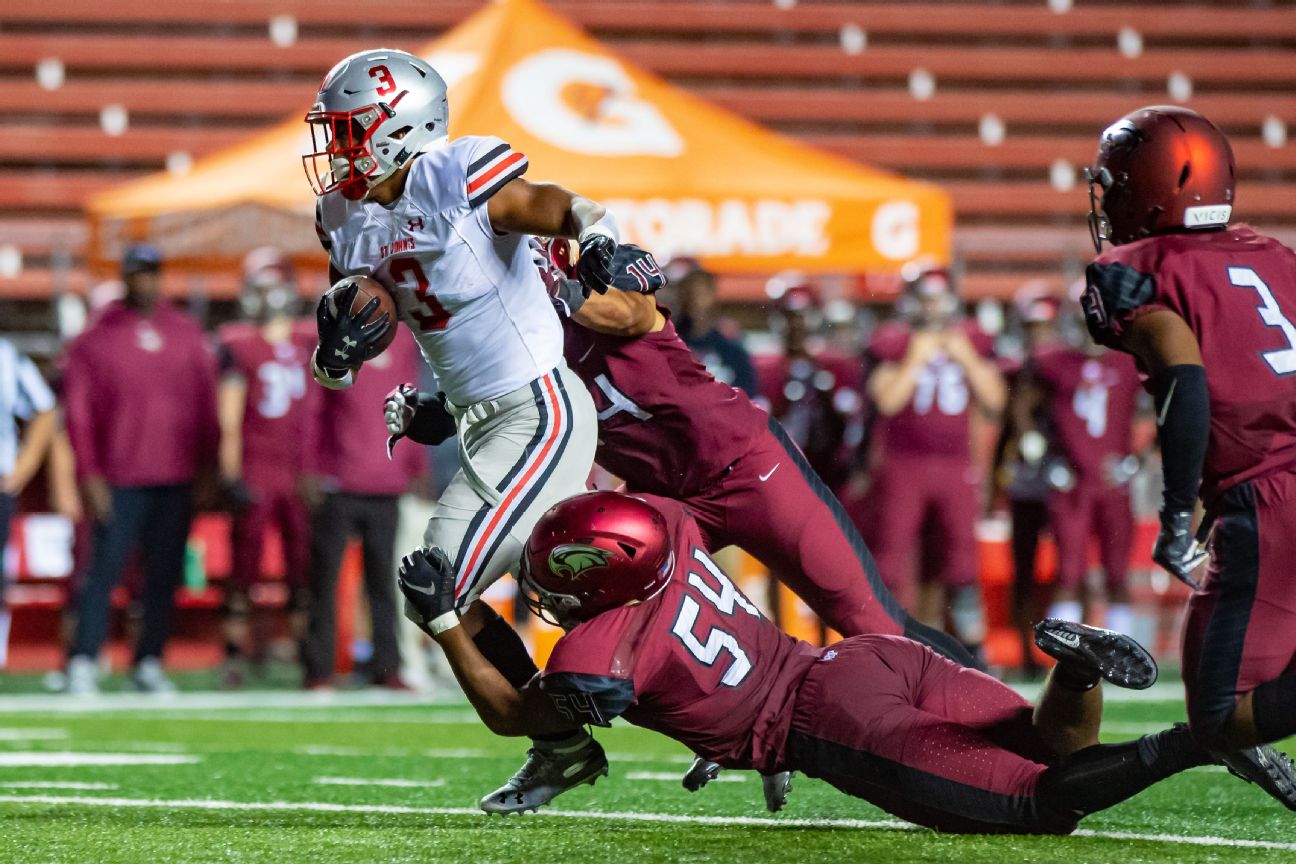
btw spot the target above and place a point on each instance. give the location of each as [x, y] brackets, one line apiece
[666, 425]
[936, 420]
[1090, 407]
[277, 377]
[697, 662]
[1236, 289]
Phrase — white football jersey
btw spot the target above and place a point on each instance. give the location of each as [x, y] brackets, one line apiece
[473, 297]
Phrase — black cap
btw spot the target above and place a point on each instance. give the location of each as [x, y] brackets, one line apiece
[141, 258]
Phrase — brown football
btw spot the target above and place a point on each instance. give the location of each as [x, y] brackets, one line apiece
[366, 289]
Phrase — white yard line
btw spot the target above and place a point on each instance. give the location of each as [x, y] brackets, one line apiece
[442, 753]
[70, 760]
[57, 784]
[44, 703]
[666, 818]
[18, 733]
[724, 777]
[365, 781]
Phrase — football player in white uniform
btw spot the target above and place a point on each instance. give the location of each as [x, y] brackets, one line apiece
[443, 225]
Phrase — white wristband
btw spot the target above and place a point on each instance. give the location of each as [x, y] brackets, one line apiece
[328, 380]
[606, 225]
[443, 622]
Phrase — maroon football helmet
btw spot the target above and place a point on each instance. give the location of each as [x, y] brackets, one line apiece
[928, 296]
[594, 552]
[1160, 169]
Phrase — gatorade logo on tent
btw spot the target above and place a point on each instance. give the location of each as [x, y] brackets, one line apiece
[586, 104]
[731, 227]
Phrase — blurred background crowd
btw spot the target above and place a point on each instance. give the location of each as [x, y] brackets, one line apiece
[172, 500]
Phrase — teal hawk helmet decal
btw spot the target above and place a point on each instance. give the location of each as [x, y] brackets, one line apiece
[573, 560]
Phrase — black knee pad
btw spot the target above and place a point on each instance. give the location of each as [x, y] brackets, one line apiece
[1273, 705]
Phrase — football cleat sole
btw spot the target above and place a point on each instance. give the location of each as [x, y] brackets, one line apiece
[1270, 769]
[700, 773]
[508, 799]
[1114, 657]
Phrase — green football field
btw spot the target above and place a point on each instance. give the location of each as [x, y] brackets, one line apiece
[287, 777]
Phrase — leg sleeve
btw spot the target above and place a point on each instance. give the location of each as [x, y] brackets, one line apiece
[165, 536]
[247, 542]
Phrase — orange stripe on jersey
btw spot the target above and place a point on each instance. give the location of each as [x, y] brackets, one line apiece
[502, 166]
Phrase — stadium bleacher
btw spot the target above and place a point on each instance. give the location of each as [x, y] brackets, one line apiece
[1002, 117]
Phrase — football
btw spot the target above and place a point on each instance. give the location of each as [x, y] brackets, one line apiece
[368, 288]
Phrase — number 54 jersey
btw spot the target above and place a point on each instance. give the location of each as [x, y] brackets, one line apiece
[697, 662]
[1236, 290]
[472, 296]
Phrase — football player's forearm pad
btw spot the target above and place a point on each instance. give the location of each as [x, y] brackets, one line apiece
[1183, 427]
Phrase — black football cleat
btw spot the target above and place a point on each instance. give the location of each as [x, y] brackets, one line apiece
[700, 773]
[1112, 656]
[1267, 768]
[776, 787]
[548, 772]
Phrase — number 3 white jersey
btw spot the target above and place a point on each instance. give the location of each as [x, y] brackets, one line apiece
[472, 296]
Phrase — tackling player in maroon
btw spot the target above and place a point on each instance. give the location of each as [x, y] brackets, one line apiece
[262, 404]
[667, 427]
[1204, 309]
[659, 635]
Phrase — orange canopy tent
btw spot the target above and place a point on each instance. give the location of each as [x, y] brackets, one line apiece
[683, 177]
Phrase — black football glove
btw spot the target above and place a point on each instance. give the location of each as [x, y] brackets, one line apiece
[636, 271]
[594, 267]
[1177, 549]
[421, 417]
[345, 341]
[427, 580]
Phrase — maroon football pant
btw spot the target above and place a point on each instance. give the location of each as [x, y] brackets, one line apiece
[281, 507]
[928, 505]
[937, 744]
[1092, 510]
[771, 503]
[1241, 627]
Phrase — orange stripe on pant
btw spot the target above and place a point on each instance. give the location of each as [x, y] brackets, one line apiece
[555, 412]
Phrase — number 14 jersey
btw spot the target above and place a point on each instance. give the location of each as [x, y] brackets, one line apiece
[697, 662]
[472, 296]
[1236, 289]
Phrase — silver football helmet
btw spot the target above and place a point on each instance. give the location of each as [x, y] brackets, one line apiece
[374, 112]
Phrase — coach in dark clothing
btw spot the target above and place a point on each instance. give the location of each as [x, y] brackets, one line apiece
[358, 494]
[698, 325]
[141, 415]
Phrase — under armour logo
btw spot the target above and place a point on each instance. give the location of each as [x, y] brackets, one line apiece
[415, 224]
[344, 353]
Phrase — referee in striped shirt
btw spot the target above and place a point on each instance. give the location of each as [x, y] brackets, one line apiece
[24, 396]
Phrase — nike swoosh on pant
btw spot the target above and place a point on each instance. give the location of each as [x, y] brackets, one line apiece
[765, 477]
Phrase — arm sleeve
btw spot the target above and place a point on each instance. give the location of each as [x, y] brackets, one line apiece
[34, 395]
[1183, 428]
[324, 239]
[584, 698]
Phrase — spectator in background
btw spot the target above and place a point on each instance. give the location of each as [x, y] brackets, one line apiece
[263, 404]
[140, 390]
[929, 373]
[718, 346]
[1090, 397]
[359, 489]
[24, 396]
[1021, 460]
[812, 390]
